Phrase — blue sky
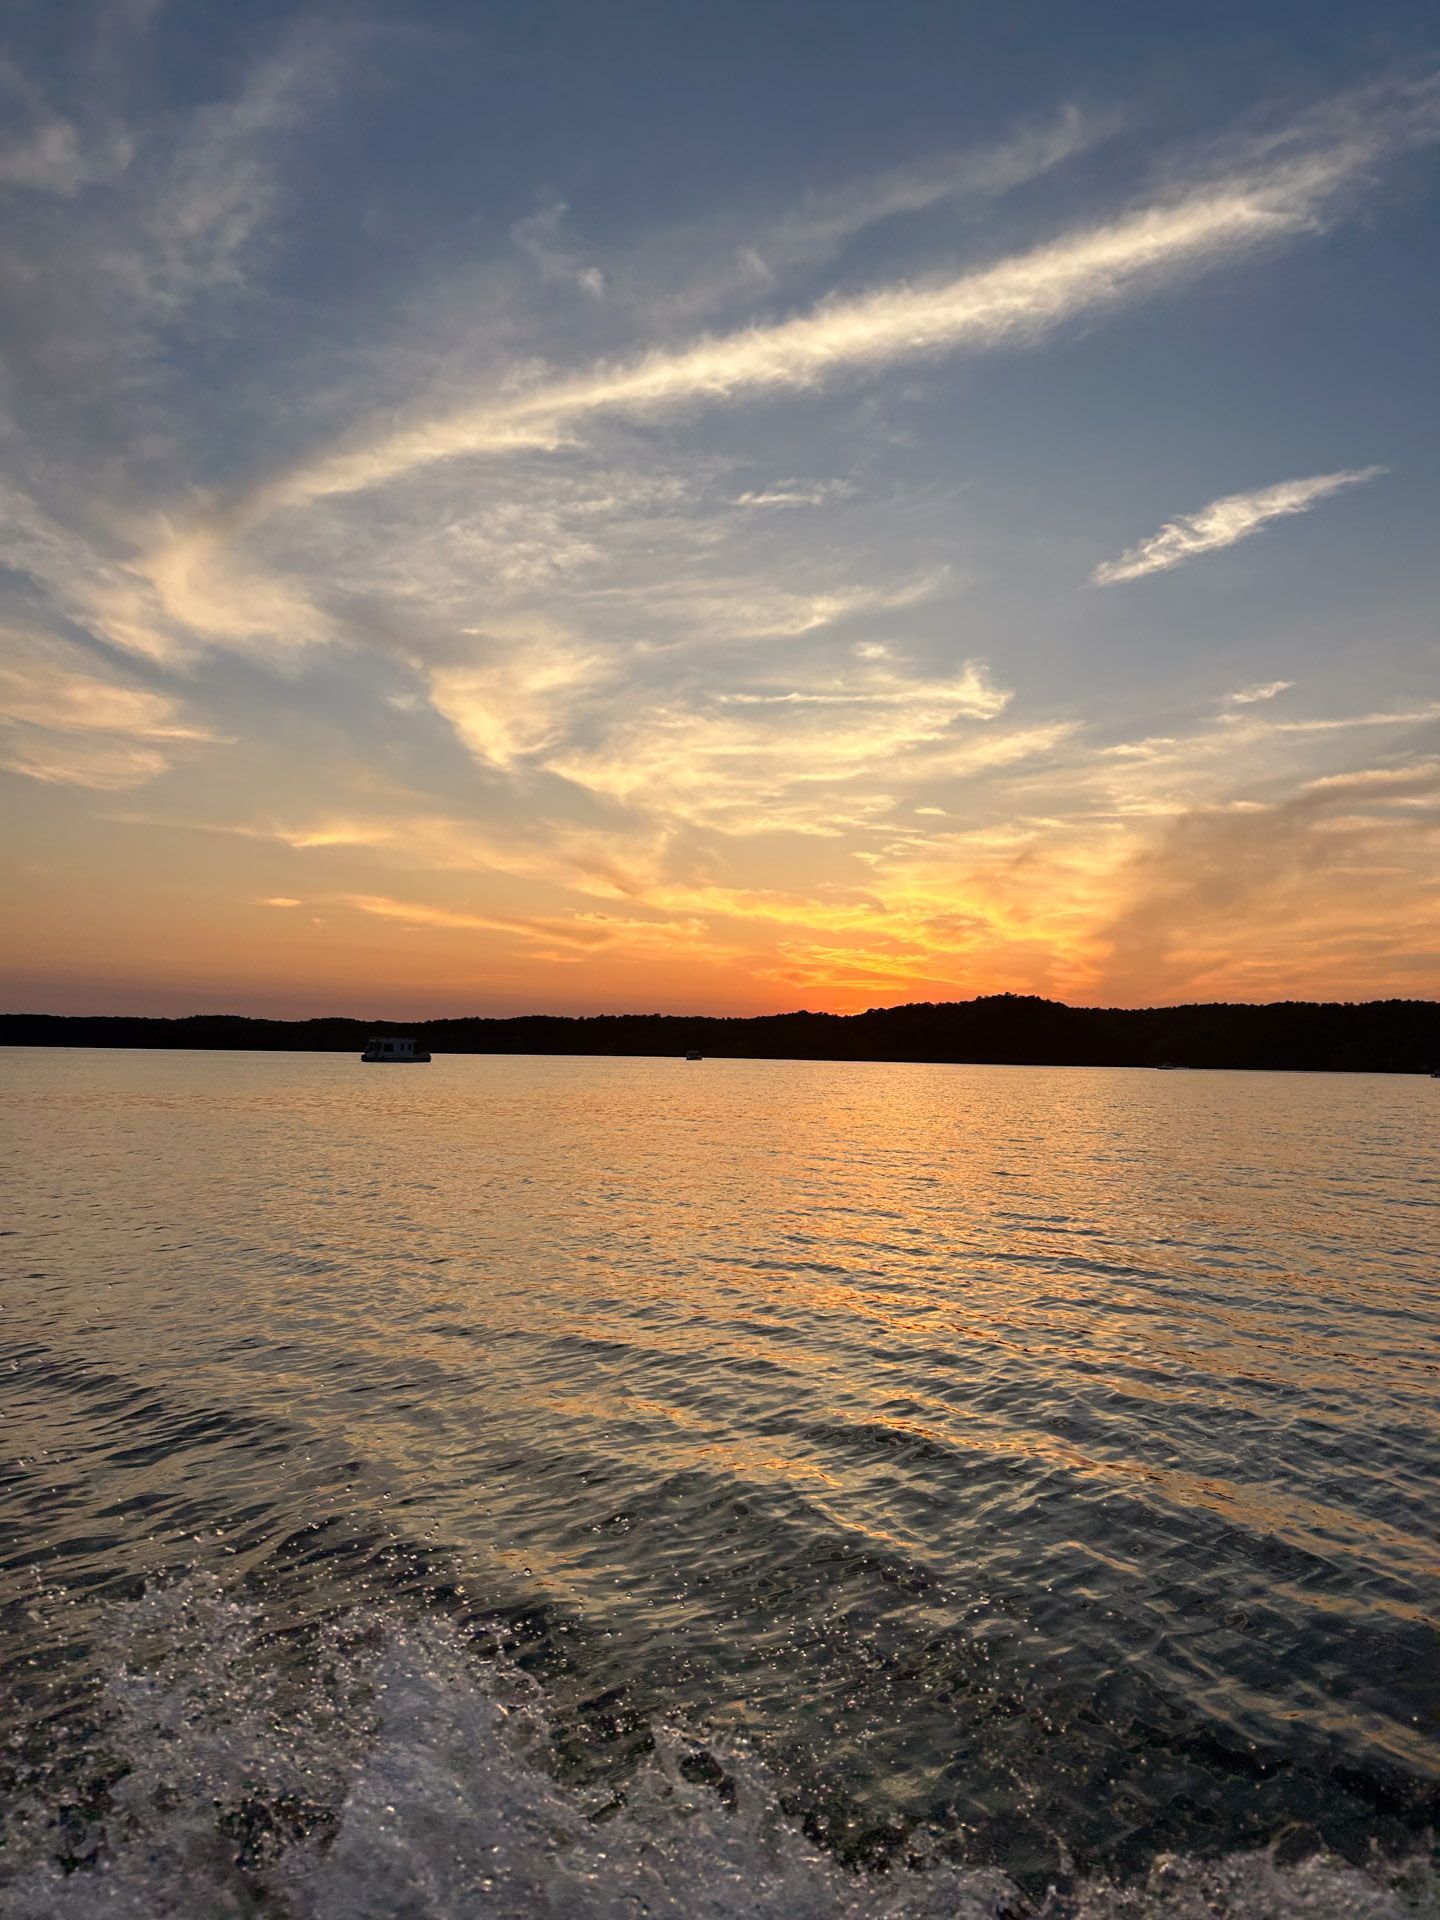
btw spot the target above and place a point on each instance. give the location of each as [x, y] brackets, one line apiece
[630, 506]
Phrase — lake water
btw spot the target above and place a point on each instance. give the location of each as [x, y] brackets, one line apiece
[583, 1486]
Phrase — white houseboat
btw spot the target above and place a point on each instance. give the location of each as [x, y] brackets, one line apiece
[400, 1052]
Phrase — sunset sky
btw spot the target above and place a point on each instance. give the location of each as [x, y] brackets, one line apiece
[717, 507]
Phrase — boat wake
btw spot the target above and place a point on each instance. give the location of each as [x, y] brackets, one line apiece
[374, 1769]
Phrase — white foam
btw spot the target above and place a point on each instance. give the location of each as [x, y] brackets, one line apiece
[401, 1781]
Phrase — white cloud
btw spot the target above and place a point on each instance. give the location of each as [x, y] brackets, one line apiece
[1419, 778]
[721, 610]
[64, 720]
[717, 669]
[796, 493]
[1247, 696]
[41, 151]
[197, 578]
[723, 263]
[518, 703]
[765, 757]
[62, 760]
[544, 239]
[1020, 298]
[822, 225]
[214, 190]
[1403, 717]
[43, 682]
[417, 914]
[970, 692]
[144, 223]
[1222, 523]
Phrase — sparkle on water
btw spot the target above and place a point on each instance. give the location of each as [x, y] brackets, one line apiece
[615, 1487]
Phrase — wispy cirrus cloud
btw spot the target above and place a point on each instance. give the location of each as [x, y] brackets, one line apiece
[737, 260]
[735, 610]
[551, 642]
[67, 720]
[1286, 186]
[420, 914]
[45, 152]
[121, 232]
[1227, 757]
[44, 682]
[820, 759]
[194, 577]
[521, 701]
[544, 238]
[1264, 690]
[1262, 896]
[106, 764]
[211, 196]
[1018, 299]
[795, 493]
[825, 222]
[158, 214]
[1224, 522]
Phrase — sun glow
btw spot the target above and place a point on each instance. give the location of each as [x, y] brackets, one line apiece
[706, 618]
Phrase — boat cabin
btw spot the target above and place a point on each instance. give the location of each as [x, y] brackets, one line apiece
[393, 1047]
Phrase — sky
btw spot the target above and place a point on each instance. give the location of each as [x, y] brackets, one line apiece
[718, 508]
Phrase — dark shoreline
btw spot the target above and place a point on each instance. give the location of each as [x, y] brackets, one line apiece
[1377, 1036]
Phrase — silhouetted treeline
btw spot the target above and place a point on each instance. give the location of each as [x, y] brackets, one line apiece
[1386, 1036]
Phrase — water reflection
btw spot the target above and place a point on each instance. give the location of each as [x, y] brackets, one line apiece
[1033, 1456]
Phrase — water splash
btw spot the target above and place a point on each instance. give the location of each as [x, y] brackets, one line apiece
[389, 1773]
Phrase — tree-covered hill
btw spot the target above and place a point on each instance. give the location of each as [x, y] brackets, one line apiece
[1390, 1036]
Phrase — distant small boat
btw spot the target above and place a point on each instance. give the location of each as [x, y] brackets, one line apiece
[694, 1056]
[395, 1052]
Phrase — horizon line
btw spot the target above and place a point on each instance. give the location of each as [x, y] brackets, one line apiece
[789, 1013]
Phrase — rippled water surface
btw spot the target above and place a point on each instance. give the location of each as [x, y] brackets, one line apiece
[577, 1486]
